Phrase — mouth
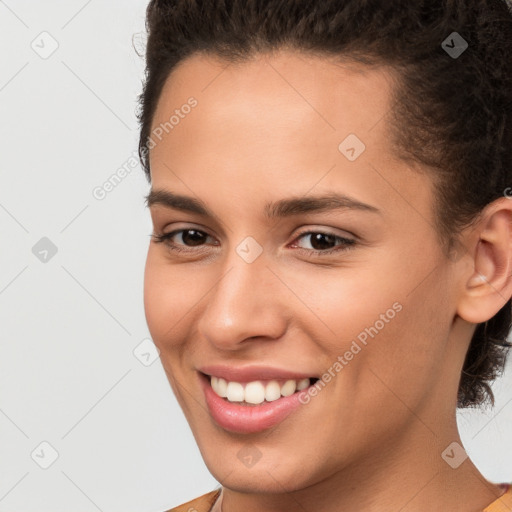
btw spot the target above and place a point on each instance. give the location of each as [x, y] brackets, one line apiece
[252, 406]
[251, 398]
[257, 392]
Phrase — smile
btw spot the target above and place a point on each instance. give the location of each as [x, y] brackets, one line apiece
[257, 392]
[254, 405]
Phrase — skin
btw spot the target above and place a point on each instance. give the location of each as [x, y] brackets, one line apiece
[268, 129]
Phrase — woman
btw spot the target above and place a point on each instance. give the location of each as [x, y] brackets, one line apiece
[329, 275]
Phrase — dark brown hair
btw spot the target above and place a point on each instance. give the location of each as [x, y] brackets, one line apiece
[450, 113]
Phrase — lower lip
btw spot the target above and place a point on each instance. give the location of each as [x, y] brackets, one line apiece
[246, 419]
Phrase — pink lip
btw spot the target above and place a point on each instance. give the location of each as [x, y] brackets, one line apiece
[246, 419]
[250, 373]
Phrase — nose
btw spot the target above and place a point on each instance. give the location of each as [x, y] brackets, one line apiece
[248, 302]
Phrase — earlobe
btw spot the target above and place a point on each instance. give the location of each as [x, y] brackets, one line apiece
[489, 285]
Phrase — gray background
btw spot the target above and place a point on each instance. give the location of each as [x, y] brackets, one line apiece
[75, 359]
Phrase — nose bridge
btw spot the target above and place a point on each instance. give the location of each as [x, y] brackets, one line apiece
[243, 303]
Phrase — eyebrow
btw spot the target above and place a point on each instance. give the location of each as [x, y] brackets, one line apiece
[282, 208]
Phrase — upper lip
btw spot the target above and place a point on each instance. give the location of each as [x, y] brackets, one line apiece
[251, 373]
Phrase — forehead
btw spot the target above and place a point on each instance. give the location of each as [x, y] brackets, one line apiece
[274, 124]
[284, 104]
[325, 94]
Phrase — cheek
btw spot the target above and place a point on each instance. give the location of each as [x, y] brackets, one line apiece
[380, 320]
[406, 357]
[169, 296]
[348, 304]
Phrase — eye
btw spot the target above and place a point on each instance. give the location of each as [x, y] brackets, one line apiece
[189, 238]
[321, 243]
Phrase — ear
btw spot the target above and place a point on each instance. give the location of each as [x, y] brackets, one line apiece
[487, 281]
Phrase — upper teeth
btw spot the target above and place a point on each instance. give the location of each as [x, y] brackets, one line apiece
[256, 392]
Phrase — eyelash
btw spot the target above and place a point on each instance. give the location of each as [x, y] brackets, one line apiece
[347, 243]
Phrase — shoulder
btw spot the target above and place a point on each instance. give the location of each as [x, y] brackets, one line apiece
[201, 504]
[502, 504]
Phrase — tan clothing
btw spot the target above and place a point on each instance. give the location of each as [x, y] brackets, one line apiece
[210, 503]
[202, 504]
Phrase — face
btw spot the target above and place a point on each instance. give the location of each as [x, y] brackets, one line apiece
[310, 254]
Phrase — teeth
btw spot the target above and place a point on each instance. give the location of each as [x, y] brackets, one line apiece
[256, 392]
[302, 384]
[222, 387]
[272, 391]
[288, 388]
[235, 392]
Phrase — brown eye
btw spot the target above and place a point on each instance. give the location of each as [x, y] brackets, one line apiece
[324, 243]
[189, 238]
[192, 236]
